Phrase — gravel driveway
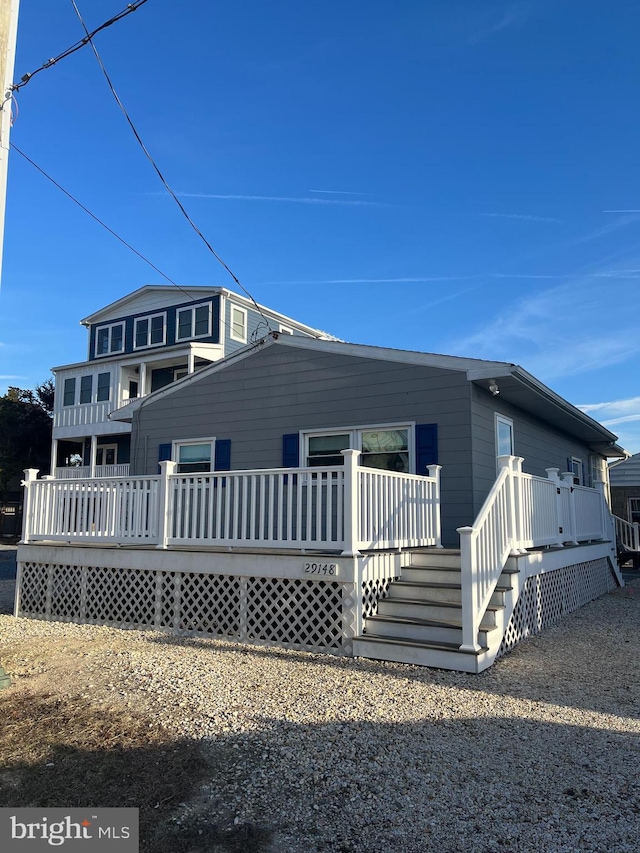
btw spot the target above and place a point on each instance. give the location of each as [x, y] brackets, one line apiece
[539, 754]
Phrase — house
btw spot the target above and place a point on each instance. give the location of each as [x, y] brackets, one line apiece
[321, 495]
[624, 481]
[136, 345]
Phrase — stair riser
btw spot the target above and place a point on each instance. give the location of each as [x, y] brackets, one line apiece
[431, 593]
[437, 658]
[422, 633]
[387, 607]
[433, 575]
[435, 559]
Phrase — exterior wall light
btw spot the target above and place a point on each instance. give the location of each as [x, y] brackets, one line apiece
[493, 387]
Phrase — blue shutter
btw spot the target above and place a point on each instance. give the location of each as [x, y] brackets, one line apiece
[222, 455]
[164, 453]
[291, 450]
[426, 447]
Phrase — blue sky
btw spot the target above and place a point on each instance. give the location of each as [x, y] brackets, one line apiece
[446, 176]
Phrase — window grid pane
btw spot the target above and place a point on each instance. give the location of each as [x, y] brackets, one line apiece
[69, 392]
[202, 320]
[116, 338]
[157, 330]
[102, 346]
[104, 386]
[184, 323]
[142, 333]
[86, 387]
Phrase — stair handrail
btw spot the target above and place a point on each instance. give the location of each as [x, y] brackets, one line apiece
[627, 533]
[485, 548]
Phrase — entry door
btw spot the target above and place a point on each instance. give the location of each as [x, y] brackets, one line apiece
[106, 454]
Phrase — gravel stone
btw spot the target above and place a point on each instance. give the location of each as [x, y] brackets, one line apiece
[539, 754]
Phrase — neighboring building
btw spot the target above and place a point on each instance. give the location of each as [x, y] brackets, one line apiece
[624, 479]
[137, 345]
[304, 400]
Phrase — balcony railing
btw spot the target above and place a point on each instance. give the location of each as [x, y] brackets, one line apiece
[83, 471]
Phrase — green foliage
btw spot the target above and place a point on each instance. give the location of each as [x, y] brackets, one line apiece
[25, 434]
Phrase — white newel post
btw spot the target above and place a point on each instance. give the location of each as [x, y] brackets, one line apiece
[164, 503]
[470, 616]
[636, 536]
[516, 479]
[553, 474]
[434, 472]
[30, 476]
[351, 504]
[94, 456]
[507, 462]
[568, 481]
[604, 508]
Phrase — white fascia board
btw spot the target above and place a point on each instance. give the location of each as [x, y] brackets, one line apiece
[147, 288]
[147, 355]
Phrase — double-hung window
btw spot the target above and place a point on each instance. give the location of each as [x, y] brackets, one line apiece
[504, 436]
[69, 396]
[110, 339]
[149, 331]
[238, 328]
[384, 447]
[86, 389]
[577, 471]
[194, 456]
[193, 322]
[104, 387]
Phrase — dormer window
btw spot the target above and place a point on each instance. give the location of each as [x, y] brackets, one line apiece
[109, 339]
[194, 322]
[149, 331]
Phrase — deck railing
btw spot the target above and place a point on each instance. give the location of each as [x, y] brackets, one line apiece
[520, 512]
[340, 508]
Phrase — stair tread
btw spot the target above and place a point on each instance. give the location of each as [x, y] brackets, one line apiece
[442, 585]
[431, 623]
[425, 644]
[435, 601]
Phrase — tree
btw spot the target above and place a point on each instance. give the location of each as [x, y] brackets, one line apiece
[25, 434]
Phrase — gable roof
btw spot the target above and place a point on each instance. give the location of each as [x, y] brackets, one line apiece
[515, 384]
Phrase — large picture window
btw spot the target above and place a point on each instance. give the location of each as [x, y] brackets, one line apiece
[385, 447]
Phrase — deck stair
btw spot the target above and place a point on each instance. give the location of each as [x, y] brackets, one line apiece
[420, 620]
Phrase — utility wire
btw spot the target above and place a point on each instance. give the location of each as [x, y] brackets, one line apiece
[131, 7]
[94, 217]
[157, 170]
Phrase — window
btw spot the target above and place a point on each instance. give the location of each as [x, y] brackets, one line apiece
[86, 388]
[193, 456]
[504, 436]
[69, 392]
[110, 339]
[149, 331]
[385, 447]
[285, 330]
[238, 324]
[577, 471]
[104, 386]
[634, 510]
[194, 322]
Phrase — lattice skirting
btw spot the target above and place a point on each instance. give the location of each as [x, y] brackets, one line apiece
[545, 598]
[287, 612]
[372, 592]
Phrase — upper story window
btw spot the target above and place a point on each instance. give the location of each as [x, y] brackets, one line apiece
[104, 387]
[285, 330]
[577, 470]
[86, 389]
[69, 396]
[109, 339]
[238, 328]
[385, 447]
[193, 322]
[149, 331]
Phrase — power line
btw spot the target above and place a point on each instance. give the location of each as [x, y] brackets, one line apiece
[157, 170]
[131, 7]
[93, 216]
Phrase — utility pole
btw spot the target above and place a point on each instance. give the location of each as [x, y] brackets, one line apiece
[8, 38]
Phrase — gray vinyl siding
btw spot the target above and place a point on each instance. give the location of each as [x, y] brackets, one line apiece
[540, 444]
[284, 390]
[256, 327]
